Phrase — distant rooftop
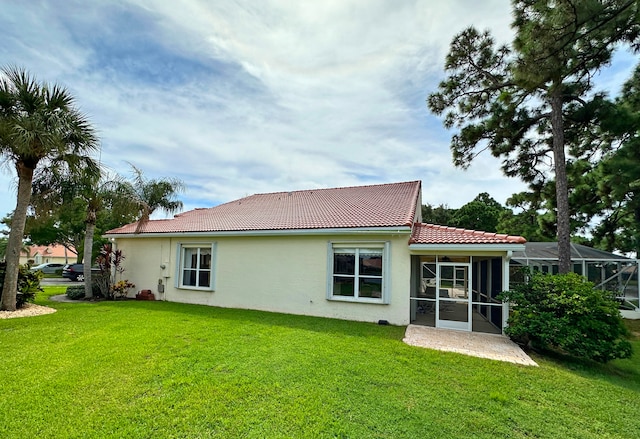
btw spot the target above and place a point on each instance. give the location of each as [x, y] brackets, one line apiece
[54, 251]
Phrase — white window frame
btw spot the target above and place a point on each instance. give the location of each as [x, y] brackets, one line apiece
[357, 248]
[180, 265]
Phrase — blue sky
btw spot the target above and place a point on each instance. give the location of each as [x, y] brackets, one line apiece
[243, 97]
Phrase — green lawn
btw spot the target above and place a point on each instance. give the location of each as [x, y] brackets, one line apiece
[165, 370]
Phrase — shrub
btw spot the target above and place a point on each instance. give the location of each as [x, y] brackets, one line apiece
[101, 282]
[565, 312]
[28, 285]
[109, 262]
[95, 288]
[121, 288]
[75, 292]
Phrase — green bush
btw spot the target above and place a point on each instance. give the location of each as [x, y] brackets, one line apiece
[565, 312]
[75, 292]
[28, 285]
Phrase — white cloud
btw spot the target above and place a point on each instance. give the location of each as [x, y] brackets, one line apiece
[255, 96]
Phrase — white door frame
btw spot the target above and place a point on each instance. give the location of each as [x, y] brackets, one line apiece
[452, 324]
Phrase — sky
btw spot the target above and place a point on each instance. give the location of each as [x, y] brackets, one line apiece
[241, 97]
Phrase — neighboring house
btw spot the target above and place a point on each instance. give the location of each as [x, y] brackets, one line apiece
[40, 254]
[356, 253]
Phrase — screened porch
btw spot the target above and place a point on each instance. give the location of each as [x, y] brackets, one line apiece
[459, 292]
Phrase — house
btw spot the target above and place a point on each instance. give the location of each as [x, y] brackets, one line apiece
[40, 254]
[356, 253]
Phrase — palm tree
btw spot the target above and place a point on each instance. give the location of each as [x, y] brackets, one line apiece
[131, 200]
[41, 131]
[148, 196]
[91, 193]
[139, 197]
[93, 190]
[98, 194]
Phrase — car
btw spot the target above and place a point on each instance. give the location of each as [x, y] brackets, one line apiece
[75, 272]
[48, 268]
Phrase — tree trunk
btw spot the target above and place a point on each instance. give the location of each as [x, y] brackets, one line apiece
[88, 246]
[562, 186]
[14, 244]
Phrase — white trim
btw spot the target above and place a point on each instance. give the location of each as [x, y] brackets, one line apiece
[399, 230]
[180, 246]
[357, 300]
[386, 273]
[329, 270]
[383, 246]
[505, 287]
[356, 244]
[454, 324]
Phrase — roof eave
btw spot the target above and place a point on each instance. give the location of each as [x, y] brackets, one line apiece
[467, 247]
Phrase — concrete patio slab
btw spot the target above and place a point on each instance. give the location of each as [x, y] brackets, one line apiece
[476, 344]
[631, 315]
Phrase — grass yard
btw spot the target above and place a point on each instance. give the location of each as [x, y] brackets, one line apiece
[164, 370]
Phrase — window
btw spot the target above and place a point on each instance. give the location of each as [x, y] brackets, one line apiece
[358, 273]
[196, 266]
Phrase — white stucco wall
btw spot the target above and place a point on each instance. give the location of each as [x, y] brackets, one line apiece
[275, 273]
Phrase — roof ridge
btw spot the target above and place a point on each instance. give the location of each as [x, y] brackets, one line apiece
[416, 196]
[327, 189]
[240, 200]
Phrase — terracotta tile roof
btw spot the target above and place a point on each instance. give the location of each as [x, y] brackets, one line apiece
[384, 205]
[434, 234]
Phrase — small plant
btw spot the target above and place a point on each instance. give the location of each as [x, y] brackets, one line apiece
[121, 288]
[75, 292]
[109, 262]
[28, 285]
[565, 312]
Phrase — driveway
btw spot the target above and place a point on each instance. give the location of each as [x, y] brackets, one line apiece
[58, 281]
